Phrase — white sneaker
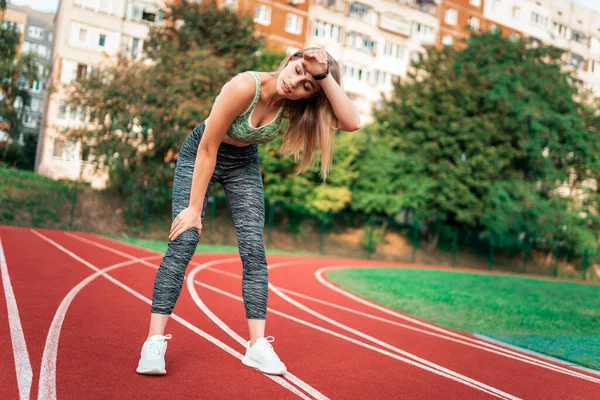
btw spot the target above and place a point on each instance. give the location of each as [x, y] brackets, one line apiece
[262, 357]
[152, 360]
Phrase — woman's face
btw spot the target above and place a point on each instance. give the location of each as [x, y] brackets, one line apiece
[294, 82]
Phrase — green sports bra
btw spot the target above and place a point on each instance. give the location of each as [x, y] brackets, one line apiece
[241, 128]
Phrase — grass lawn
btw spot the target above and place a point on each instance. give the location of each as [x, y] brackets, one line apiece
[561, 319]
[161, 247]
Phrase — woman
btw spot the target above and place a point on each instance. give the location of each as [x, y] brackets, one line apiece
[249, 110]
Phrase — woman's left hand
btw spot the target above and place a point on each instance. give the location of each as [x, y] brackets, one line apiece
[315, 61]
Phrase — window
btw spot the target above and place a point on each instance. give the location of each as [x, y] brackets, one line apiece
[136, 12]
[359, 41]
[382, 78]
[476, 3]
[149, 16]
[451, 16]
[83, 35]
[576, 61]
[293, 24]
[59, 148]
[102, 40]
[131, 47]
[393, 50]
[448, 40]
[425, 32]
[31, 121]
[539, 20]
[327, 30]
[262, 15]
[594, 44]
[62, 110]
[36, 48]
[474, 23]
[135, 47]
[579, 37]
[35, 32]
[81, 71]
[361, 11]
[34, 104]
[35, 86]
[516, 12]
[559, 30]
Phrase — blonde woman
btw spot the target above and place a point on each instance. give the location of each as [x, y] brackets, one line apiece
[249, 110]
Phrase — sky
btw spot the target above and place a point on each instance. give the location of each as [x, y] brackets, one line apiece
[51, 5]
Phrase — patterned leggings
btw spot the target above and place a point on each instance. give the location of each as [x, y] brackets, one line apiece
[238, 170]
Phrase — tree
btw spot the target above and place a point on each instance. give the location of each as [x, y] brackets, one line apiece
[482, 138]
[17, 72]
[141, 111]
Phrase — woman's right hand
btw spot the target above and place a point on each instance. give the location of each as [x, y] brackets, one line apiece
[186, 219]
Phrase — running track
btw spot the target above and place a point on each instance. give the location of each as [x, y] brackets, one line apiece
[75, 311]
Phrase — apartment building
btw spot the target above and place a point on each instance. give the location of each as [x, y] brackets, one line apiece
[88, 33]
[458, 16]
[37, 36]
[373, 41]
[564, 24]
[15, 17]
[283, 22]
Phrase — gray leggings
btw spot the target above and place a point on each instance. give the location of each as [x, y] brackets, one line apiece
[238, 171]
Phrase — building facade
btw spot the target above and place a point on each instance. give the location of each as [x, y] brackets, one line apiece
[282, 22]
[374, 42]
[88, 34]
[37, 40]
[566, 25]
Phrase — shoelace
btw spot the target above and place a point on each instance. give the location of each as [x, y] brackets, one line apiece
[155, 345]
[267, 350]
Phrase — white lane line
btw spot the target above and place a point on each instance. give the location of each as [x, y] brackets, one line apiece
[381, 343]
[175, 317]
[47, 383]
[190, 285]
[21, 355]
[289, 376]
[352, 340]
[319, 276]
[503, 353]
[442, 371]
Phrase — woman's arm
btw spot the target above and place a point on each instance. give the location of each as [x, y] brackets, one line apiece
[344, 109]
[346, 112]
[235, 97]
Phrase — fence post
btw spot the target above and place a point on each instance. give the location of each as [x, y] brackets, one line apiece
[556, 252]
[370, 244]
[270, 220]
[586, 265]
[147, 211]
[526, 258]
[491, 255]
[323, 230]
[213, 211]
[413, 257]
[454, 247]
[73, 205]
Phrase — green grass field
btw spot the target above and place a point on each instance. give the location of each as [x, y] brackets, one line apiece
[561, 319]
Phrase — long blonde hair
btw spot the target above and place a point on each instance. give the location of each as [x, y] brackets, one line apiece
[312, 123]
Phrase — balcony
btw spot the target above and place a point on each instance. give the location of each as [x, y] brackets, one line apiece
[333, 5]
[425, 6]
[394, 23]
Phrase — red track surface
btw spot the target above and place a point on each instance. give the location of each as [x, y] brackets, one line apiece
[349, 356]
